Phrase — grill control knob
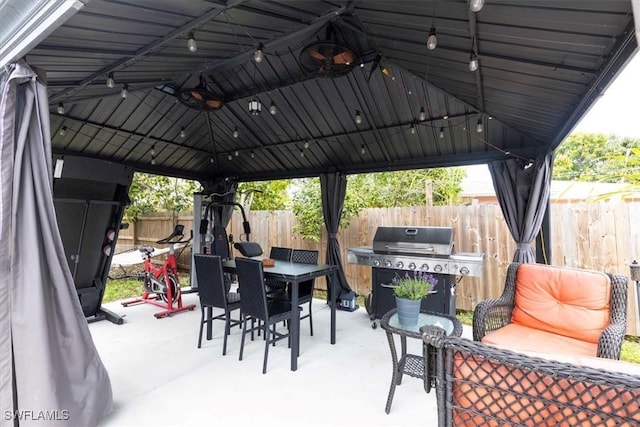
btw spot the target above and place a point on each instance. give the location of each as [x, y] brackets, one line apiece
[412, 266]
[376, 263]
[387, 264]
[400, 265]
[437, 268]
[464, 271]
[425, 267]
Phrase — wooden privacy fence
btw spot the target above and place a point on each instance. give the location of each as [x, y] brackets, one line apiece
[599, 236]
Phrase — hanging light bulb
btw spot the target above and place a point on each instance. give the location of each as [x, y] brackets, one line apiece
[110, 81]
[362, 149]
[358, 117]
[258, 55]
[272, 108]
[479, 127]
[153, 160]
[306, 144]
[413, 129]
[441, 132]
[476, 5]
[473, 62]
[236, 133]
[236, 153]
[252, 154]
[301, 152]
[124, 92]
[432, 41]
[60, 108]
[182, 132]
[422, 116]
[191, 43]
[153, 150]
[230, 157]
[63, 131]
[211, 160]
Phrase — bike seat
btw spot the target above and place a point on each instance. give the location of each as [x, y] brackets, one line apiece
[146, 249]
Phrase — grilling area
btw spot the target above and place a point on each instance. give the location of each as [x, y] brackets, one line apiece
[398, 250]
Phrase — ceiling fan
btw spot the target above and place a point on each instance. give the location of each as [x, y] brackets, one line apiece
[200, 97]
[328, 58]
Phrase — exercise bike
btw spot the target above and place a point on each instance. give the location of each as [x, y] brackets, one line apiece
[160, 283]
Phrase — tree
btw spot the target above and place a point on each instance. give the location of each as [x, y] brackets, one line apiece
[265, 195]
[154, 193]
[597, 157]
[376, 190]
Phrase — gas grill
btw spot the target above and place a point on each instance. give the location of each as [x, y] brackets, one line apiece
[406, 249]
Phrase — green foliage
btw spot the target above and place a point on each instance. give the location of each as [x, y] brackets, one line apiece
[122, 289]
[155, 193]
[265, 195]
[598, 158]
[376, 190]
[416, 285]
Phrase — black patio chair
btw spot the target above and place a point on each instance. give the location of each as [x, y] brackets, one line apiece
[305, 289]
[277, 288]
[214, 293]
[255, 305]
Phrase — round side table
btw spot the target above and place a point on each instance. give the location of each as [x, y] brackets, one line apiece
[412, 364]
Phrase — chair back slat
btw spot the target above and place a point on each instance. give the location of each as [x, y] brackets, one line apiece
[279, 253]
[211, 286]
[253, 300]
[305, 256]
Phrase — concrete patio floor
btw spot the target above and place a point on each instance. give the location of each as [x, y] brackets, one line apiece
[160, 378]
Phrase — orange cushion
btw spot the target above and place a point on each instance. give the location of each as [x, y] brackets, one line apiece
[516, 337]
[564, 301]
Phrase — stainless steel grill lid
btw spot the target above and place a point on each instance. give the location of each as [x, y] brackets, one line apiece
[435, 241]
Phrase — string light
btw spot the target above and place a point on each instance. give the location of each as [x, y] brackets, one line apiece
[153, 150]
[258, 55]
[413, 129]
[211, 160]
[272, 108]
[191, 43]
[110, 81]
[60, 108]
[253, 155]
[362, 149]
[236, 133]
[473, 62]
[476, 5]
[432, 41]
[236, 153]
[230, 157]
[306, 144]
[301, 152]
[441, 132]
[422, 116]
[182, 132]
[479, 127]
[358, 117]
[125, 91]
[63, 131]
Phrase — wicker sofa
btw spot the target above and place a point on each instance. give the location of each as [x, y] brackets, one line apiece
[482, 385]
[557, 310]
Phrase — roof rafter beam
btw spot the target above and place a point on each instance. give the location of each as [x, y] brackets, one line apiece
[144, 51]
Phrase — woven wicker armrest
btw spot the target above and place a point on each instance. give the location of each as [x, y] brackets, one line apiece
[610, 342]
[491, 315]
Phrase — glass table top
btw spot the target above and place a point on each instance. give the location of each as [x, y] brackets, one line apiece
[423, 320]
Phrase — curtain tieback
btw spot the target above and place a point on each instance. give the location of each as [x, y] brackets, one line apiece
[333, 235]
[524, 246]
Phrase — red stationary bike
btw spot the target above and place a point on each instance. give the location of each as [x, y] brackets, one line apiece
[161, 285]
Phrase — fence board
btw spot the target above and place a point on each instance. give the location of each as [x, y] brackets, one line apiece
[600, 236]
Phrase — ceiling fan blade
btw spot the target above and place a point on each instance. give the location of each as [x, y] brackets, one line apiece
[344, 58]
[317, 55]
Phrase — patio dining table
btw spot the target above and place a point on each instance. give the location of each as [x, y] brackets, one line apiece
[295, 273]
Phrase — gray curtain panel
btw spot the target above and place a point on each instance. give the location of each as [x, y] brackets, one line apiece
[523, 190]
[333, 188]
[48, 361]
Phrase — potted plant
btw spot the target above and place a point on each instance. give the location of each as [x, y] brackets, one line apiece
[410, 289]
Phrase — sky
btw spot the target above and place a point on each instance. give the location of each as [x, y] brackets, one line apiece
[617, 111]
